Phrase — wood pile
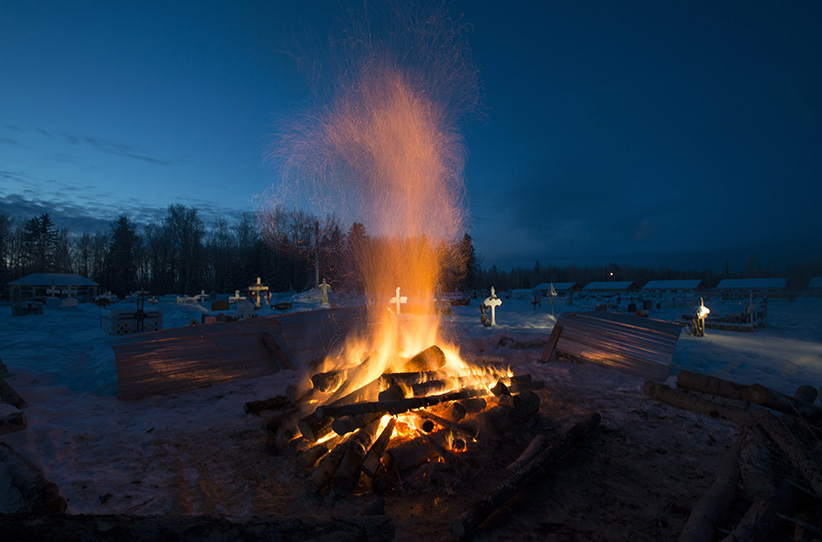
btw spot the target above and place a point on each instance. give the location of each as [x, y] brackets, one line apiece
[770, 478]
[390, 433]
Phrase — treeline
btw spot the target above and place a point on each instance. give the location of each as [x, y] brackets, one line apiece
[180, 255]
[798, 275]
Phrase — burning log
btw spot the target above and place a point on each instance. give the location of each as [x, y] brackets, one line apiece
[468, 432]
[346, 424]
[314, 427]
[304, 397]
[39, 495]
[398, 406]
[680, 399]
[719, 498]
[325, 471]
[499, 419]
[310, 456]
[94, 528]
[760, 395]
[789, 444]
[482, 509]
[430, 359]
[348, 473]
[449, 458]
[11, 423]
[407, 455]
[273, 422]
[8, 395]
[328, 381]
[372, 461]
[275, 403]
[473, 405]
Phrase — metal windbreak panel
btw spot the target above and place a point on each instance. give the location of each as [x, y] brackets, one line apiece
[632, 344]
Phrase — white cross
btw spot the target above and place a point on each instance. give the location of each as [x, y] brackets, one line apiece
[493, 301]
[256, 289]
[236, 297]
[53, 290]
[325, 287]
[69, 291]
[201, 296]
[397, 300]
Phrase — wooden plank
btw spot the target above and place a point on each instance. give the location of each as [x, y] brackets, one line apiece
[175, 360]
[632, 344]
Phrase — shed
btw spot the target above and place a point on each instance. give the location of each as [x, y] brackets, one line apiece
[561, 288]
[752, 286]
[815, 283]
[36, 286]
[685, 286]
[608, 286]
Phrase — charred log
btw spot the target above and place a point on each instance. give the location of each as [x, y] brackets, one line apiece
[346, 424]
[325, 471]
[274, 403]
[348, 473]
[328, 381]
[279, 352]
[498, 420]
[409, 454]
[273, 422]
[314, 427]
[316, 452]
[482, 509]
[372, 461]
[430, 359]
[760, 395]
[398, 406]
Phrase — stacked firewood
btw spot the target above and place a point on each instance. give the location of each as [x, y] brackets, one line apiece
[388, 426]
[770, 478]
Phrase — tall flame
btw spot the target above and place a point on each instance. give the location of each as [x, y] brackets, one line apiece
[381, 146]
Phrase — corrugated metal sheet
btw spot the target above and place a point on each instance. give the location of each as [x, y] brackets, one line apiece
[632, 344]
[179, 359]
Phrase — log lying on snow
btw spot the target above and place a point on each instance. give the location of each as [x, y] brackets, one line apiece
[716, 501]
[681, 399]
[39, 495]
[793, 449]
[481, 510]
[8, 395]
[774, 400]
[88, 528]
[754, 393]
[279, 351]
[274, 403]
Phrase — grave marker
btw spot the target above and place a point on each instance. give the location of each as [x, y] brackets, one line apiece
[325, 287]
[493, 302]
[398, 300]
[255, 291]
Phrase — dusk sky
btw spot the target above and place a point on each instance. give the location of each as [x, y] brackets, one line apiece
[678, 134]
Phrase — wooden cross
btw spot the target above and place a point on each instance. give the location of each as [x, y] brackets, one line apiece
[325, 287]
[493, 301]
[256, 289]
[53, 290]
[397, 300]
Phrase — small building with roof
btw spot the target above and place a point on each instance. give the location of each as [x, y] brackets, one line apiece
[734, 287]
[42, 285]
[620, 286]
[561, 288]
[685, 286]
[815, 284]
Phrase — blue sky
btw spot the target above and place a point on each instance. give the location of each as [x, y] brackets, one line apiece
[650, 133]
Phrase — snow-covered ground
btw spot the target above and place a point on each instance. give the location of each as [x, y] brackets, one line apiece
[197, 452]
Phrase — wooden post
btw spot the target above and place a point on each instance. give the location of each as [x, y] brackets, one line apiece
[39, 495]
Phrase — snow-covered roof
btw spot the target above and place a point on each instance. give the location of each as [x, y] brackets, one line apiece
[816, 282]
[60, 279]
[685, 284]
[609, 286]
[752, 284]
[558, 286]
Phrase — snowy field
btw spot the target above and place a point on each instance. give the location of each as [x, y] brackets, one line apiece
[198, 453]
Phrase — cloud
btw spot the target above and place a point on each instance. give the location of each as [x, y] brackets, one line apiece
[112, 147]
[9, 141]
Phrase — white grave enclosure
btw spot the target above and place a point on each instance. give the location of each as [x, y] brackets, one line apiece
[123, 322]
